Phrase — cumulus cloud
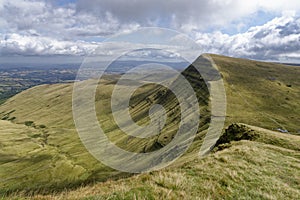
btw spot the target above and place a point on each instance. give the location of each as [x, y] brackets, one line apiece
[60, 22]
[278, 39]
[106, 17]
[15, 44]
[43, 27]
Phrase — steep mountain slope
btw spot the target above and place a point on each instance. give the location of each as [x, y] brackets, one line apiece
[40, 147]
[47, 109]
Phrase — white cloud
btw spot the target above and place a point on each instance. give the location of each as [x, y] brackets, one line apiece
[278, 39]
[106, 17]
[39, 27]
[15, 44]
[59, 22]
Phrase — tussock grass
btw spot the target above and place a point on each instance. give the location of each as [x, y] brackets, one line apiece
[245, 170]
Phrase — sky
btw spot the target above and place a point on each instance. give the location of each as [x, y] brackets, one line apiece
[68, 30]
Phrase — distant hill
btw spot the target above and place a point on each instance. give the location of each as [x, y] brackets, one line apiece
[292, 64]
[41, 151]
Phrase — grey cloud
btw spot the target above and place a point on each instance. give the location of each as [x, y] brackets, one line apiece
[289, 28]
[174, 14]
[261, 34]
[184, 15]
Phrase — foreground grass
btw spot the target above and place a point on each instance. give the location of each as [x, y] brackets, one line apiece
[243, 170]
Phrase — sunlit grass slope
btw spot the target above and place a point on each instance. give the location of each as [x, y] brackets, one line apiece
[40, 148]
[65, 162]
[264, 166]
[260, 93]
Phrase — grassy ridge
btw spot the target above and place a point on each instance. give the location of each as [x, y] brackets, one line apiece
[260, 94]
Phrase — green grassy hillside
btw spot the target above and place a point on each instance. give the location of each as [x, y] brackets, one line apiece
[260, 93]
[65, 162]
[41, 151]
